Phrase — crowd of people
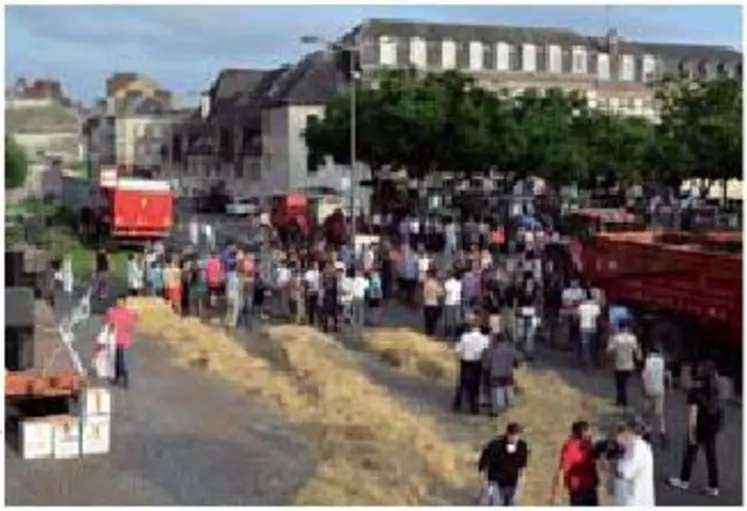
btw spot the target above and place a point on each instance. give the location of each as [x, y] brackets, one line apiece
[494, 301]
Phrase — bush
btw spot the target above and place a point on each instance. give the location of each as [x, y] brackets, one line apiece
[16, 165]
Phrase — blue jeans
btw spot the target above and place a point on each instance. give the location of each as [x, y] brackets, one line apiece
[496, 495]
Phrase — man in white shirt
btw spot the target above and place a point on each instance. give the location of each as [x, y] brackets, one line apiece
[359, 286]
[624, 349]
[410, 272]
[654, 377]
[634, 472]
[452, 305]
[588, 315]
[283, 278]
[470, 349]
[573, 295]
[312, 281]
[450, 235]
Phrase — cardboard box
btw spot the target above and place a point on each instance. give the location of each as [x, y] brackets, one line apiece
[36, 439]
[66, 436]
[96, 436]
[96, 401]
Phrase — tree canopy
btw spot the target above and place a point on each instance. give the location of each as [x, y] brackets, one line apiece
[428, 123]
[16, 165]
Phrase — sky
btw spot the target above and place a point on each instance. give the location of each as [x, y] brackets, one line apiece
[184, 47]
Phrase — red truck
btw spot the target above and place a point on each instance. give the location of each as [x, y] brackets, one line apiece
[689, 284]
[121, 209]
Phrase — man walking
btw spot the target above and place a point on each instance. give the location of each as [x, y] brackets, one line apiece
[499, 362]
[470, 350]
[624, 349]
[502, 463]
[654, 389]
[452, 306]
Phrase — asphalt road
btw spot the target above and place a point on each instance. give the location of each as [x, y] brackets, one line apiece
[179, 438]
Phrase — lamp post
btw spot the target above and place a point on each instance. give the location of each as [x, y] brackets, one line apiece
[352, 50]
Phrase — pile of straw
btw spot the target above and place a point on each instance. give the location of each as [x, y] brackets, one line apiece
[546, 407]
[371, 449]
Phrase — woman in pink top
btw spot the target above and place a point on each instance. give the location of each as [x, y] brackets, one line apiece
[122, 321]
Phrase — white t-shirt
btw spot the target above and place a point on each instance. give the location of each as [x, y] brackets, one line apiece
[636, 486]
[359, 287]
[623, 347]
[452, 292]
[424, 263]
[588, 313]
[346, 290]
[312, 280]
[653, 375]
[414, 226]
[284, 275]
[471, 345]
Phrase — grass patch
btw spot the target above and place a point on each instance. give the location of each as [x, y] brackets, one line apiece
[371, 449]
[546, 407]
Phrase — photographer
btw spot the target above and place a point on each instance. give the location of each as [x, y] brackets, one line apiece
[632, 470]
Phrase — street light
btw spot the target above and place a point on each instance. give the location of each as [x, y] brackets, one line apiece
[352, 50]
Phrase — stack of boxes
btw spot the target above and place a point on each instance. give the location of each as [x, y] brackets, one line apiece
[96, 421]
[70, 436]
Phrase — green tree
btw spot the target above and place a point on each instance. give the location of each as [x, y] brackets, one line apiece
[16, 165]
[701, 129]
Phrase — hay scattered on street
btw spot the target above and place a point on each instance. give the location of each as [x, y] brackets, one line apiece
[371, 449]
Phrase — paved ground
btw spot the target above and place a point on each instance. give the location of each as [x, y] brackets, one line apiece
[179, 438]
[436, 399]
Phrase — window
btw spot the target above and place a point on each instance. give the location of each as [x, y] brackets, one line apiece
[476, 55]
[387, 51]
[448, 54]
[418, 52]
[579, 64]
[627, 68]
[603, 66]
[554, 59]
[648, 68]
[528, 58]
[502, 57]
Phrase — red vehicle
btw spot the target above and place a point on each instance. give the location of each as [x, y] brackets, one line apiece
[690, 283]
[124, 209]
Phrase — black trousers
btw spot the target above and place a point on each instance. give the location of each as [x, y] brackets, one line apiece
[469, 385]
[312, 303]
[708, 442]
[584, 498]
[431, 314]
[621, 387]
[121, 372]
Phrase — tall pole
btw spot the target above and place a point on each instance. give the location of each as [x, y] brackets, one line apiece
[352, 145]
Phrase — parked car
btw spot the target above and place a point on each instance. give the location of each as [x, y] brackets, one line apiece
[239, 206]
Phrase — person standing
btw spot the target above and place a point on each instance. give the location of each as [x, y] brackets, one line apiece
[588, 316]
[410, 273]
[452, 305]
[330, 300]
[503, 462]
[634, 471]
[704, 422]
[527, 319]
[469, 349]
[432, 292]
[135, 275]
[654, 389]
[499, 361]
[173, 284]
[624, 349]
[577, 468]
[234, 299]
[375, 295]
[215, 278]
[358, 292]
[312, 284]
[102, 268]
[122, 321]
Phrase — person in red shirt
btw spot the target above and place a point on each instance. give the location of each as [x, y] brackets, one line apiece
[577, 468]
[214, 273]
[122, 321]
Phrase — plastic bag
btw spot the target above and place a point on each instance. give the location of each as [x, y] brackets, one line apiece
[103, 358]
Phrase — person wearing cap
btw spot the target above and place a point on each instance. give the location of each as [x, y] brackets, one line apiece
[470, 348]
[502, 464]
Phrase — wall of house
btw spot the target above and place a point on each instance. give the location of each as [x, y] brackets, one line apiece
[65, 145]
[275, 154]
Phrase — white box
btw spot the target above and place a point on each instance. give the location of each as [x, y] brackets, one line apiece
[96, 435]
[66, 436]
[96, 401]
[36, 439]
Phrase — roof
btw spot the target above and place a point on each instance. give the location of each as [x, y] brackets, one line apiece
[537, 35]
[315, 80]
[42, 119]
[231, 87]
